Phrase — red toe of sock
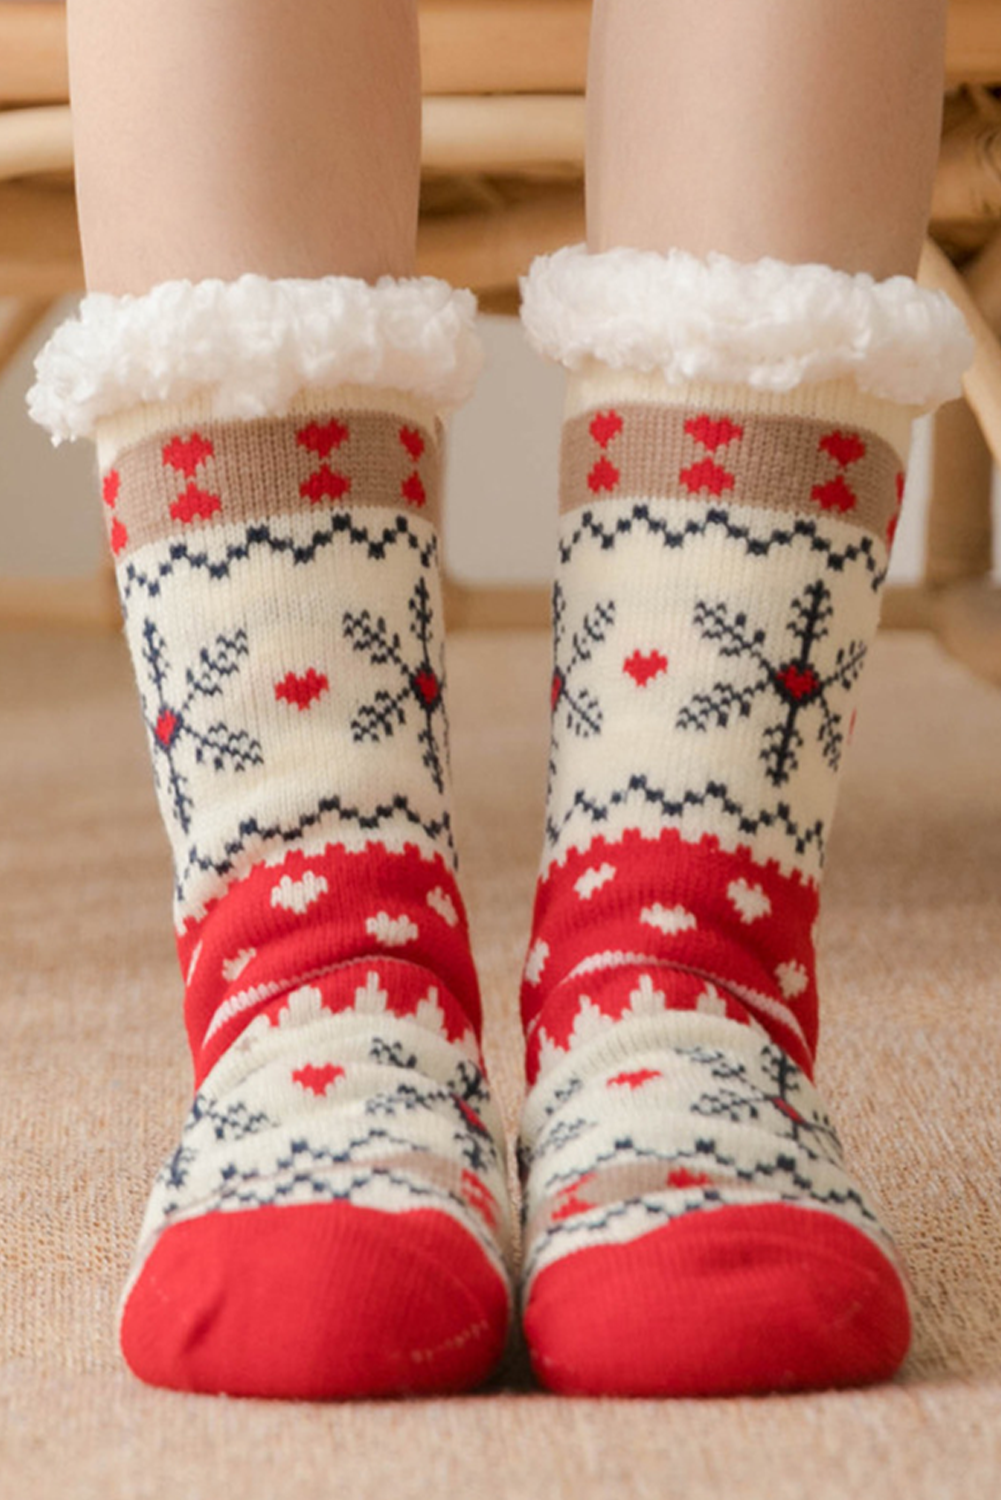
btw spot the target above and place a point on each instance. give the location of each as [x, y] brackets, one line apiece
[316, 1301]
[722, 1302]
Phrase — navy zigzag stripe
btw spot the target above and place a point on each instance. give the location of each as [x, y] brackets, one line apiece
[672, 807]
[583, 1225]
[259, 535]
[371, 821]
[590, 528]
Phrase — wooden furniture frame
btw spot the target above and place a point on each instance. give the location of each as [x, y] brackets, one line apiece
[502, 181]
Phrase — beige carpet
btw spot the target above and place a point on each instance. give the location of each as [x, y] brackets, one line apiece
[94, 1082]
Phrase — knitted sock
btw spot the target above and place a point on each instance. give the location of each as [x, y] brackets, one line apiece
[334, 1220]
[732, 467]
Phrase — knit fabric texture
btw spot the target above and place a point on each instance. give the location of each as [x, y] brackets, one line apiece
[690, 1224]
[334, 1220]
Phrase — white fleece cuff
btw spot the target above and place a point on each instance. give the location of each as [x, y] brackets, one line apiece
[767, 323]
[252, 343]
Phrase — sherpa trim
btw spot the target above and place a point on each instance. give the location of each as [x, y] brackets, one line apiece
[253, 343]
[766, 323]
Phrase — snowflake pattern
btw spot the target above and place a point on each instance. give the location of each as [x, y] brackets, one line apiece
[422, 682]
[233, 1123]
[797, 681]
[172, 724]
[575, 707]
[741, 1099]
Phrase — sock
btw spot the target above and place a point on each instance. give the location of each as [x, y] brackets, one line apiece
[334, 1221]
[732, 467]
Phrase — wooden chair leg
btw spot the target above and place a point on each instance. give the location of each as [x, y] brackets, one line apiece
[19, 316]
[967, 620]
[958, 532]
[965, 603]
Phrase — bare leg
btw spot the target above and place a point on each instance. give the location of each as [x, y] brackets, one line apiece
[241, 135]
[804, 132]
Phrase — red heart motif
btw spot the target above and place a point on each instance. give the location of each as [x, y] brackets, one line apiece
[572, 1203]
[187, 454]
[317, 1080]
[835, 494]
[555, 689]
[321, 439]
[634, 1079]
[426, 685]
[894, 521]
[799, 682]
[643, 668]
[844, 447]
[470, 1113]
[713, 434]
[412, 441]
[166, 727]
[680, 1177]
[706, 476]
[324, 484]
[604, 426]
[195, 504]
[109, 488]
[413, 490]
[479, 1196]
[119, 536]
[603, 476]
[302, 691]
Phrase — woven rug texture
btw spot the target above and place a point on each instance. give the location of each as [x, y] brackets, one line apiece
[94, 1082]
